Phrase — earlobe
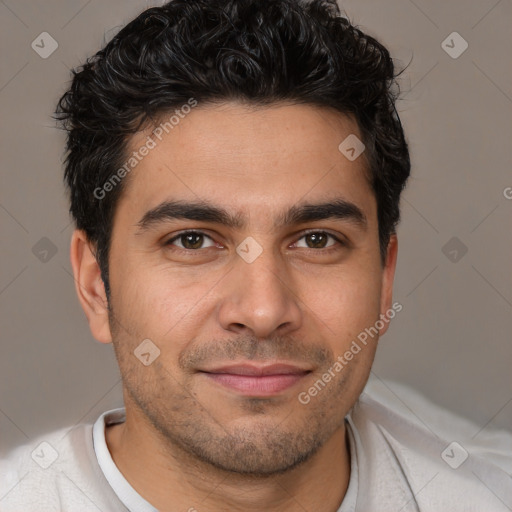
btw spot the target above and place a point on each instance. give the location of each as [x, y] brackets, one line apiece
[89, 286]
[388, 277]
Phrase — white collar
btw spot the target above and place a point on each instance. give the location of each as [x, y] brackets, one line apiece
[130, 498]
[134, 502]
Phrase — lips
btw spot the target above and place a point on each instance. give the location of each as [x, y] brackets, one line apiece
[257, 380]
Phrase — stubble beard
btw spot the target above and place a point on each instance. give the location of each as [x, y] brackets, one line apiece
[269, 444]
[273, 442]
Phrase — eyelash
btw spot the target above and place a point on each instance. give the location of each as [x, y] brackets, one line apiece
[327, 250]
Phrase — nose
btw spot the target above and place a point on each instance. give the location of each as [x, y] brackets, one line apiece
[260, 297]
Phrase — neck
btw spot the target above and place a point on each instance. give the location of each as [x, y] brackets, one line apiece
[170, 479]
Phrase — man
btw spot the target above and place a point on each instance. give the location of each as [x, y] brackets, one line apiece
[235, 170]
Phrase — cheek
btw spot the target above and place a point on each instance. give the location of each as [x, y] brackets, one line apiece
[163, 303]
[346, 302]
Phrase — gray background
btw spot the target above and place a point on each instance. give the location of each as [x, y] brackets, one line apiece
[452, 339]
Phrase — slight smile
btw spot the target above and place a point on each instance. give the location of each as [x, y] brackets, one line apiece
[257, 380]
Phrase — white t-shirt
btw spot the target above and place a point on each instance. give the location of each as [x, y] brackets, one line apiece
[406, 455]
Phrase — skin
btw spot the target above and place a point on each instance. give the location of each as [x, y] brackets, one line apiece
[188, 441]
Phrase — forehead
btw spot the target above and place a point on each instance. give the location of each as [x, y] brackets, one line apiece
[246, 158]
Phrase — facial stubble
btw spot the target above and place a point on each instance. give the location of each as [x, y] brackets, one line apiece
[275, 434]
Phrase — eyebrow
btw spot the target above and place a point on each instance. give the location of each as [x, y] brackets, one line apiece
[339, 209]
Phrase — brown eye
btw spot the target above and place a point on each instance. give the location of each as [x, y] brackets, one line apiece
[318, 240]
[190, 240]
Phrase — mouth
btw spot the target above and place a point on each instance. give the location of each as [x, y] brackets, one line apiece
[257, 380]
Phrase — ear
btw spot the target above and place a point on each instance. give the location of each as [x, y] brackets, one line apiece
[89, 286]
[388, 277]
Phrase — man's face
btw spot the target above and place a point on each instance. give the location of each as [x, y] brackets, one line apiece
[227, 301]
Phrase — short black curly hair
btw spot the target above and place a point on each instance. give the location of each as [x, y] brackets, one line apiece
[254, 51]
